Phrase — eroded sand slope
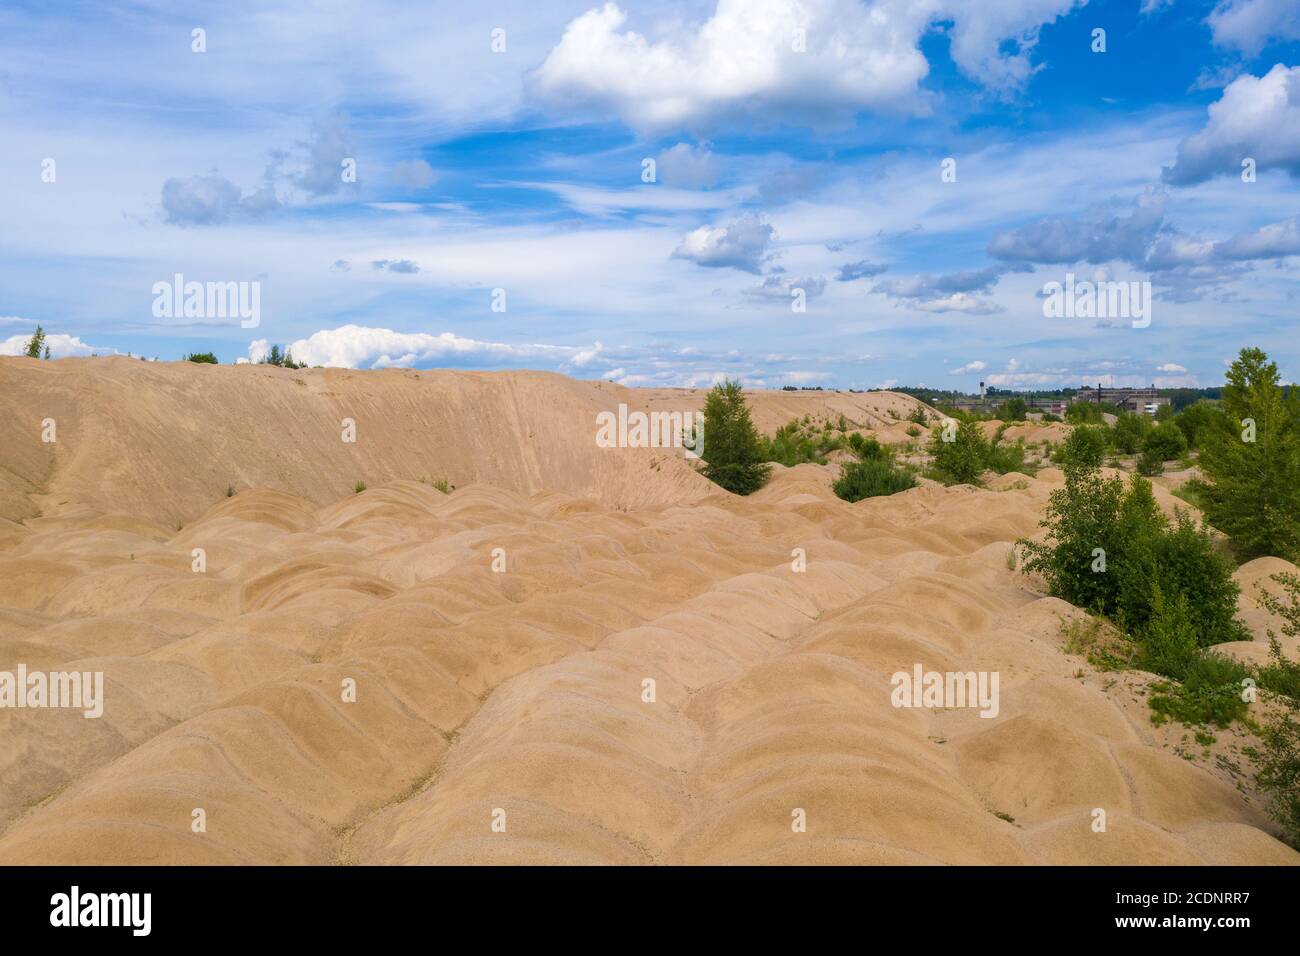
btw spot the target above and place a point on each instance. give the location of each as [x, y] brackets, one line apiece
[522, 690]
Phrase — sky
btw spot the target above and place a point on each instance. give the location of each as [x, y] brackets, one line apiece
[845, 193]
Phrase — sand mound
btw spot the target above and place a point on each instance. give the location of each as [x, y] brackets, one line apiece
[528, 672]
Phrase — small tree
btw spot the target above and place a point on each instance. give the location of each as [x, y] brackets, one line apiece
[1251, 459]
[1166, 440]
[1129, 431]
[1278, 767]
[36, 343]
[964, 457]
[1014, 409]
[276, 357]
[1085, 447]
[732, 449]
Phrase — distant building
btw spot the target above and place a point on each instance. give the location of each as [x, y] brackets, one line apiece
[1142, 400]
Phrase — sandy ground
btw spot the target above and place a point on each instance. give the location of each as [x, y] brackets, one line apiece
[504, 715]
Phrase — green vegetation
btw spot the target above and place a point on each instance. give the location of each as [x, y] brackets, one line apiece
[1165, 440]
[359, 487]
[962, 459]
[1194, 419]
[800, 441]
[36, 344]
[1129, 431]
[281, 358]
[1278, 762]
[1014, 409]
[203, 358]
[1250, 455]
[870, 478]
[733, 449]
[1085, 413]
[1085, 447]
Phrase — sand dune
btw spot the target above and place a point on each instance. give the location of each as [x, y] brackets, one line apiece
[503, 715]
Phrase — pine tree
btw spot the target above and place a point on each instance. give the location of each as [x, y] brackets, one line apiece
[36, 343]
[1251, 457]
[732, 452]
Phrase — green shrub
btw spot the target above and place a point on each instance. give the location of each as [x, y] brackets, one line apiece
[1085, 447]
[1128, 433]
[1194, 419]
[1014, 409]
[203, 358]
[1278, 762]
[867, 448]
[1210, 693]
[733, 453]
[1166, 440]
[962, 459]
[1085, 413]
[1109, 549]
[1006, 457]
[1150, 463]
[871, 478]
[359, 487]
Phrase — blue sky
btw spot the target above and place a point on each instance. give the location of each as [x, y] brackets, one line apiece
[797, 145]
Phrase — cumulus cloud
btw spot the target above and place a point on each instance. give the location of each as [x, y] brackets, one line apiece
[863, 269]
[355, 346]
[932, 286]
[1256, 118]
[740, 63]
[969, 368]
[212, 199]
[1247, 25]
[60, 346]
[741, 244]
[1170, 367]
[686, 167]
[958, 302]
[803, 62]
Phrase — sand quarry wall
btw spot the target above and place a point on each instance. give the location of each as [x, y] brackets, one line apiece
[165, 440]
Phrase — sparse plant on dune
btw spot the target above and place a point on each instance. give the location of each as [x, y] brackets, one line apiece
[871, 478]
[359, 487]
[1278, 760]
[733, 454]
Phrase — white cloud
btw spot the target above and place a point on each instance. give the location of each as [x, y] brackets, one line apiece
[1170, 367]
[744, 65]
[60, 346]
[741, 244]
[1247, 25]
[1256, 118]
[740, 63]
[968, 368]
[355, 346]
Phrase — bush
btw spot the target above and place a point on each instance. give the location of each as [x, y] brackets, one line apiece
[1128, 433]
[1003, 458]
[35, 344]
[1150, 463]
[1085, 413]
[871, 478]
[963, 459]
[359, 487]
[1014, 409]
[1250, 456]
[1111, 551]
[203, 358]
[1194, 419]
[733, 454]
[1166, 440]
[1278, 763]
[1084, 448]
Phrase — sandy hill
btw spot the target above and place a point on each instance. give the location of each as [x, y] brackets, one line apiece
[500, 640]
